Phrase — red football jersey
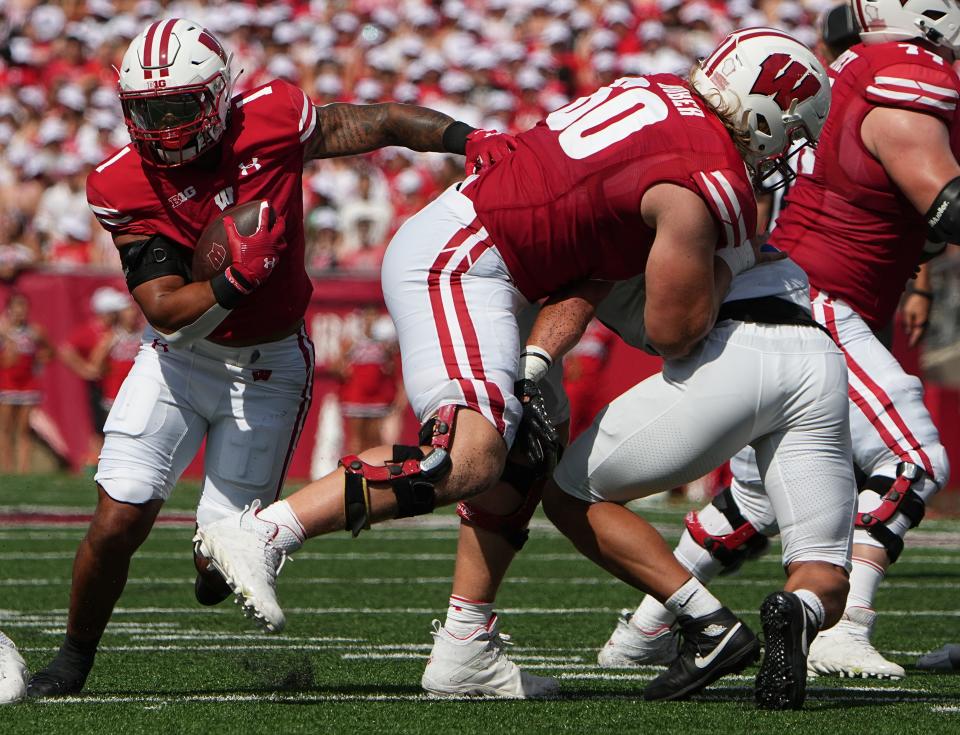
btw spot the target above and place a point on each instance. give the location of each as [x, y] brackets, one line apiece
[847, 224]
[260, 157]
[566, 205]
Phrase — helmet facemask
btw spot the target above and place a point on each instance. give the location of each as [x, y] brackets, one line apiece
[173, 127]
[774, 172]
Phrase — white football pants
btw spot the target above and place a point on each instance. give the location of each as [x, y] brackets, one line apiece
[889, 423]
[780, 389]
[457, 314]
[249, 403]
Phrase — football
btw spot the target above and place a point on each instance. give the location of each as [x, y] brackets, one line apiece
[211, 254]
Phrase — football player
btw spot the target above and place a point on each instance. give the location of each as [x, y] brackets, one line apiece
[885, 180]
[225, 360]
[644, 174]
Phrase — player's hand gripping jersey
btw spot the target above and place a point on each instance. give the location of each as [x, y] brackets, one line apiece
[260, 157]
[566, 205]
[848, 225]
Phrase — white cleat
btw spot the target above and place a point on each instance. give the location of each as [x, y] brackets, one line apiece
[13, 672]
[845, 650]
[630, 647]
[476, 666]
[240, 548]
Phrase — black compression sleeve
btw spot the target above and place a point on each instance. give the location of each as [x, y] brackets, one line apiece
[226, 294]
[153, 258]
[943, 217]
[455, 137]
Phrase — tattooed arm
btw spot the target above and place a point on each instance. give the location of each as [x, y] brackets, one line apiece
[344, 129]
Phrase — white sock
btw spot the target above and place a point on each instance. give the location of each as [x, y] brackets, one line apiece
[865, 578]
[465, 616]
[291, 533]
[652, 617]
[692, 599]
[812, 606]
[4, 641]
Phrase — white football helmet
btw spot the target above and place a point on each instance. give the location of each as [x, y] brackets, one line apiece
[773, 90]
[175, 89]
[937, 21]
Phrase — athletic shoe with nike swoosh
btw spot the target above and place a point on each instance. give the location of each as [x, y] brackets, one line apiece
[788, 632]
[712, 646]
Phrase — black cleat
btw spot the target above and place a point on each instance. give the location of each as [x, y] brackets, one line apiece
[944, 659]
[782, 679]
[57, 680]
[712, 646]
[68, 671]
[211, 588]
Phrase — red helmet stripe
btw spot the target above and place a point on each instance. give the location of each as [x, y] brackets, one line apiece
[165, 47]
[213, 44]
[720, 54]
[858, 6]
[148, 49]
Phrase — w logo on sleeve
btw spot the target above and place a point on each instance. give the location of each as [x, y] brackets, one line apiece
[785, 80]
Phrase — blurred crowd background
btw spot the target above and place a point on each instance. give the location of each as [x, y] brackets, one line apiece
[499, 64]
[496, 64]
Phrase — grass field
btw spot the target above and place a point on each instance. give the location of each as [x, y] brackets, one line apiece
[359, 614]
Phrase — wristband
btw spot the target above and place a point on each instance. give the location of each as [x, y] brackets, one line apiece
[534, 363]
[226, 294]
[738, 259]
[455, 137]
[922, 292]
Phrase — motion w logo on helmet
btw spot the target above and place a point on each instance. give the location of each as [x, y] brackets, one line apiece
[785, 80]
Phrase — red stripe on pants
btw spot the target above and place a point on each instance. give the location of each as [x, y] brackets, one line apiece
[889, 409]
[306, 397]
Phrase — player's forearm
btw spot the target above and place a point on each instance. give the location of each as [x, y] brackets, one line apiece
[564, 318]
[170, 308]
[349, 129]
[674, 332]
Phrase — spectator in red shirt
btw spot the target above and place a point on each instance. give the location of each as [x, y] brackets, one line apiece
[82, 353]
[23, 352]
[367, 370]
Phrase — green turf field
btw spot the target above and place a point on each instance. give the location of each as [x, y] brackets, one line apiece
[359, 614]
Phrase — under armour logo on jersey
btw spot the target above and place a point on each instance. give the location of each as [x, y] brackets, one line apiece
[269, 262]
[261, 375]
[160, 346]
[245, 168]
[224, 198]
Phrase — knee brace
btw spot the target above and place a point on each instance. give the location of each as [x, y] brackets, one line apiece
[734, 548]
[410, 474]
[529, 482]
[896, 496]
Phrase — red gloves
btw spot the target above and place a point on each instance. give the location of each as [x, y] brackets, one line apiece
[255, 256]
[486, 147]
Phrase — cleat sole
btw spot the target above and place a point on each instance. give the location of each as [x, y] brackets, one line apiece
[781, 682]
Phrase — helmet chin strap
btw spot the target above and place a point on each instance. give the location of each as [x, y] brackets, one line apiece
[179, 156]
